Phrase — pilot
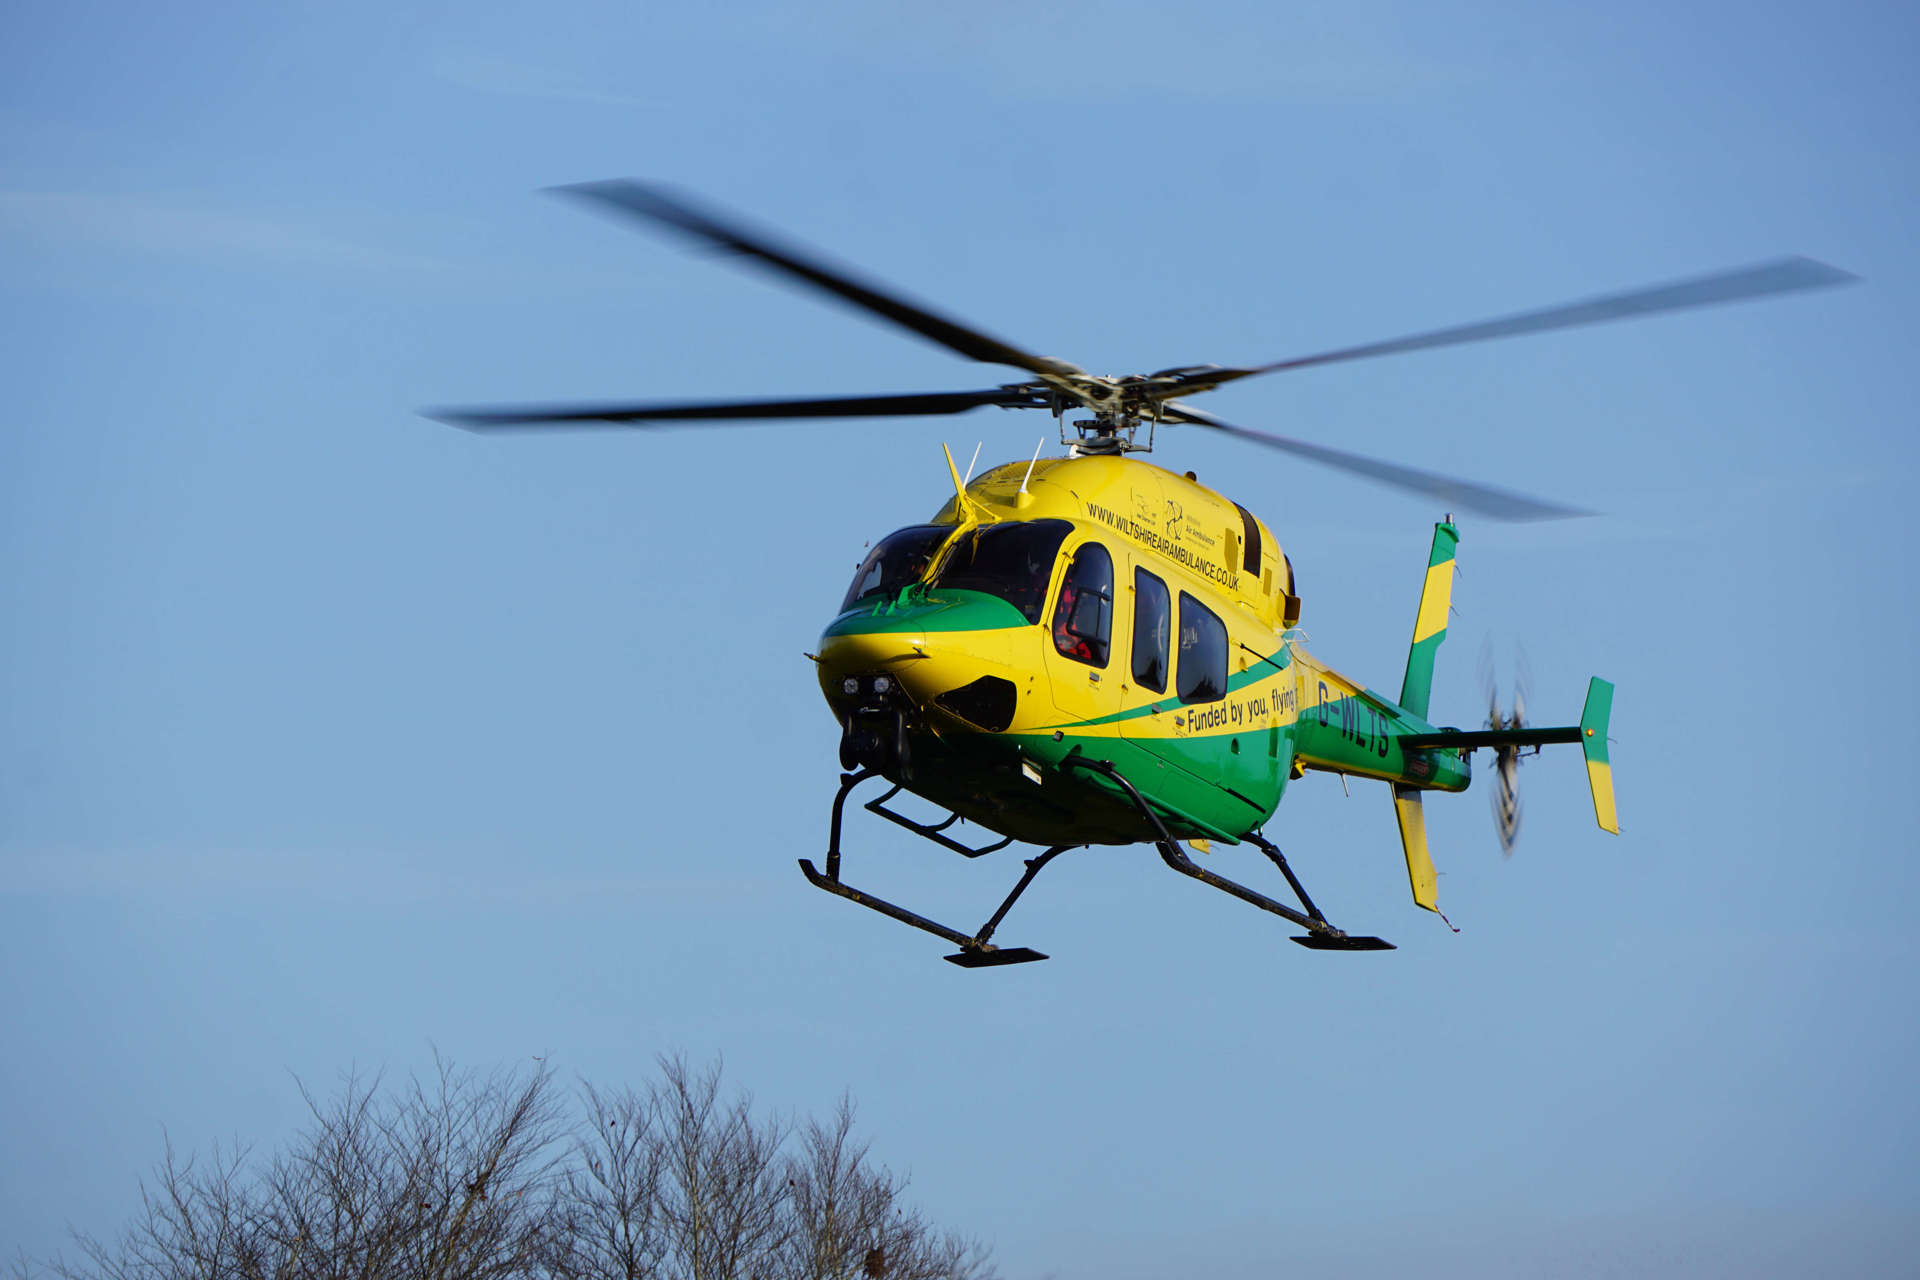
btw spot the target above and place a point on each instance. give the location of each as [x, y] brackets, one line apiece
[1065, 640]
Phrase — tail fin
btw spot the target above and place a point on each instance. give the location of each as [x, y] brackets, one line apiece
[1430, 626]
[1593, 744]
[1413, 839]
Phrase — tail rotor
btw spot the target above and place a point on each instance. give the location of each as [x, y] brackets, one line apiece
[1506, 765]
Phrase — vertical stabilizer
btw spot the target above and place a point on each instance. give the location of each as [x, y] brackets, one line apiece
[1413, 838]
[1430, 627]
[1593, 743]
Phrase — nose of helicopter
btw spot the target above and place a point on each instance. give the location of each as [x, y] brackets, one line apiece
[858, 656]
[919, 651]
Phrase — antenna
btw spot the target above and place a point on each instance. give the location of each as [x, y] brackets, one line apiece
[1036, 458]
[971, 461]
[963, 506]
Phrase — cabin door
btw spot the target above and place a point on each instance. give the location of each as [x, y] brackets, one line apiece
[1081, 667]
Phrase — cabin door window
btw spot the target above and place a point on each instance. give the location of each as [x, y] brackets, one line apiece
[1152, 629]
[1083, 615]
[1201, 674]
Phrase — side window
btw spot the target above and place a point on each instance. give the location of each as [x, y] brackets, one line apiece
[1083, 616]
[1252, 530]
[1203, 653]
[1152, 625]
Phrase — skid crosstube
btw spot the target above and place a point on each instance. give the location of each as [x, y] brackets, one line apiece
[1320, 935]
[934, 832]
[977, 950]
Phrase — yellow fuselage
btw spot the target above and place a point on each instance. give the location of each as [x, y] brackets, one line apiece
[992, 698]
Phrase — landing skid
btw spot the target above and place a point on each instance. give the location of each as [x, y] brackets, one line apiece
[986, 959]
[976, 951]
[1320, 935]
[1320, 942]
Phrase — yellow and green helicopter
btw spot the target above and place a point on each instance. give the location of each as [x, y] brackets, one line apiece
[1091, 650]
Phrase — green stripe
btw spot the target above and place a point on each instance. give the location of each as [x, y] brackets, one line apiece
[930, 612]
[1254, 674]
[1192, 795]
[1416, 688]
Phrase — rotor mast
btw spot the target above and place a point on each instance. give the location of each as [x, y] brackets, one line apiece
[1120, 407]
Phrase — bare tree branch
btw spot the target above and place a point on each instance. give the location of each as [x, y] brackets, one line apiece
[464, 1176]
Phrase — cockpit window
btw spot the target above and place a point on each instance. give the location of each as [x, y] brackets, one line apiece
[1012, 561]
[899, 561]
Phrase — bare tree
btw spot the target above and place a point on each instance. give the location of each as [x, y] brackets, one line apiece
[618, 1225]
[452, 1179]
[472, 1177]
[850, 1221]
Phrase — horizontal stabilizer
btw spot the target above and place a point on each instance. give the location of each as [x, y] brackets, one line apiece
[1590, 733]
[1472, 738]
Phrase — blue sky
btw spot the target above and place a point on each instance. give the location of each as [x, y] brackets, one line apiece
[329, 735]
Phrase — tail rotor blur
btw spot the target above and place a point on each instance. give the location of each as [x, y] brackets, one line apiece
[1505, 796]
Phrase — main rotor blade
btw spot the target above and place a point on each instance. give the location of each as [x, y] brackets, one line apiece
[1501, 504]
[1783, 276]
[911, 405]
[653, 202]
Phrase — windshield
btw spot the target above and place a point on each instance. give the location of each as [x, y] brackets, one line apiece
[897, 562]
[1012, 561]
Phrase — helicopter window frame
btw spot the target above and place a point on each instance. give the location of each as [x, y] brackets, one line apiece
[1029, 588]
[1086, 587]
[1251, 530]
[900, 559]
[1200, 672]
[1152, 630]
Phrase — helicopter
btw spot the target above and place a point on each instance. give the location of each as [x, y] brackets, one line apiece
[1091, 650]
